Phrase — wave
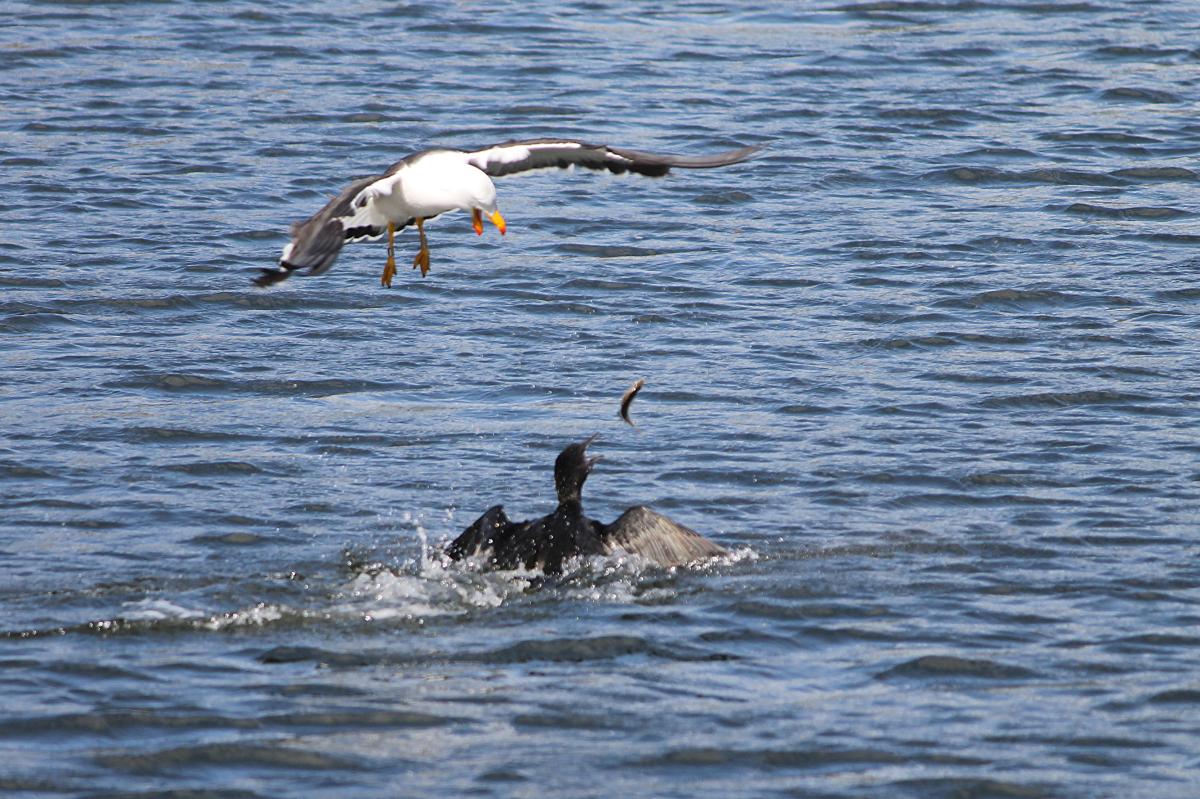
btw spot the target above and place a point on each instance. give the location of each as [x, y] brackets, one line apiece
[952, 666]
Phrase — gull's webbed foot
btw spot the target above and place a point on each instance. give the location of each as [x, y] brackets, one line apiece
[389, 271]
[421, 261]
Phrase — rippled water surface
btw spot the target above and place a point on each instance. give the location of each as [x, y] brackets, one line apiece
[928, 367]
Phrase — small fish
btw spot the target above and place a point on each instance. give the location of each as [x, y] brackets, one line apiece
[627, 400]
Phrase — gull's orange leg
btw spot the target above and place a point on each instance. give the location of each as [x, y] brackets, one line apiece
[389, 269]
[421, 259]
[477, 221]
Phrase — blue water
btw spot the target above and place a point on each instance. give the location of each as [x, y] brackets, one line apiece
[928, 367]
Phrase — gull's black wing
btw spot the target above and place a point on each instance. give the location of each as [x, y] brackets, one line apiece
[523, 156]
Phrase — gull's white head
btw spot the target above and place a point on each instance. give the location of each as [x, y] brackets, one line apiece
[481, 193]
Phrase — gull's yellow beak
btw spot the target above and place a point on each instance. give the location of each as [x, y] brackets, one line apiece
[477, 221]
[498, 221]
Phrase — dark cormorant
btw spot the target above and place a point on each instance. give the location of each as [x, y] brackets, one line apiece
[546, 542]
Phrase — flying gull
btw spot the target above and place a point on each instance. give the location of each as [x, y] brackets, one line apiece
[432, 182]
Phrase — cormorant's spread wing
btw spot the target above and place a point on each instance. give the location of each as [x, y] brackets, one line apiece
[523, 156]
[642, 531]
[317, 240]
[482, 536]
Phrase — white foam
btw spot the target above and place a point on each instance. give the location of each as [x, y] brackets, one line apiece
[426, 589]
[157, 610]
[432, 585]
[164, 610]
[255, 616]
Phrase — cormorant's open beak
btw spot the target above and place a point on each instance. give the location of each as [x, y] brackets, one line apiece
[587, 442]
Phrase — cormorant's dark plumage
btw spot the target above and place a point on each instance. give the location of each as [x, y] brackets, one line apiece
[547, 542]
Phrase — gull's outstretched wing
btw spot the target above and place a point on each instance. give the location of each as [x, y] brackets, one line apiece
[523, 156]
[317, 240]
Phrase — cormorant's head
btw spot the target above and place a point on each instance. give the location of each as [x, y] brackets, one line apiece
[571, 469]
